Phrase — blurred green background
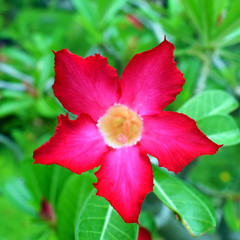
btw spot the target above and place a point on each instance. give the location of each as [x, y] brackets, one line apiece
[206, 35]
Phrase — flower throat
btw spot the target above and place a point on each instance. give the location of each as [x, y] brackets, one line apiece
[120, 126]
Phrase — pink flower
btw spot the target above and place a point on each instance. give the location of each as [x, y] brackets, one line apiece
[120, 122]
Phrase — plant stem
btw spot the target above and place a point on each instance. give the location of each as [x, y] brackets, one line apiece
[201, 81]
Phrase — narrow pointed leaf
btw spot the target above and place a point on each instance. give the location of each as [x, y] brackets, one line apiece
[14, 106]
[108, 9]
[19, 195]
[230, 24]
[44, 181]
[205, 19]
[194, 210]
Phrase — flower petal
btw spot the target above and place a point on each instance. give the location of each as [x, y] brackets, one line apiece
[76, 145]
[124, 179]
[151, 80]
[144, 234]
[175, 140]
[85, 85]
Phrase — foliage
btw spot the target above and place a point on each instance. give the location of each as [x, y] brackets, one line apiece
[206, 35]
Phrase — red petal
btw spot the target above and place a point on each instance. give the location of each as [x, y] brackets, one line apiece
[175, 140]
[124, 179]
[76, 145]
[85, 85]
[144, 234]
[151, 80]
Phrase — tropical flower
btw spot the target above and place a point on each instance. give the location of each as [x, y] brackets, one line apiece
[120, 122]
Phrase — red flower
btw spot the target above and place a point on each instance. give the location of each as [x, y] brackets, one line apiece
[119, 122]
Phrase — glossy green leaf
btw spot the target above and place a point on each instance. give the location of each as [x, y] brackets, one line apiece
[221, 129]
[97, 220]
[71, 200]
[209, 103]
[193, 208]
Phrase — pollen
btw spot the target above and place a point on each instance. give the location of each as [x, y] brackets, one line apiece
[120, 126]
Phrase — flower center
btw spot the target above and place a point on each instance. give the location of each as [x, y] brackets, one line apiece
[120, 126]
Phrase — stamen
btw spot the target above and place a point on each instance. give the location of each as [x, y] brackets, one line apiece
[121, 138]
[120, 126]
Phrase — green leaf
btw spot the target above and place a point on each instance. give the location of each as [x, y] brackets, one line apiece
[9, 153]
[13, 106]
[47, 107]
[191, 68]
[230, 23]
[146, 220]
[174, 6]
[73, 195]
[18, 194]
[194, 210]
[97, 220]
[220, 173]
[13, 72]
[209, 103]
[44, 181]
[230, 39]
[87, 17]
[15, 223]
[191, 9]
[221, 129]
[108, 10]
[44, 68]
[18, 55]
[204, 19]
[46, 234]
[231, 212]
[9, 93]
[86, 8]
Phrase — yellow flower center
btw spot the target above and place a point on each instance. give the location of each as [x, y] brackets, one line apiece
[120, 126]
